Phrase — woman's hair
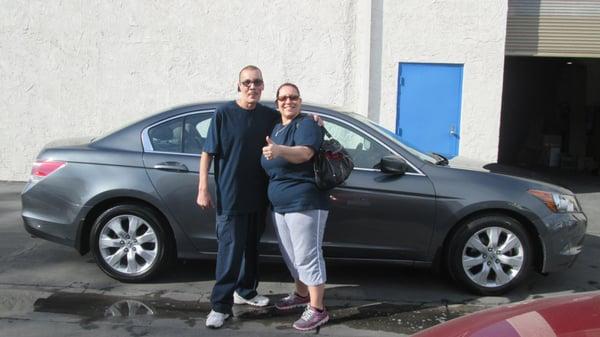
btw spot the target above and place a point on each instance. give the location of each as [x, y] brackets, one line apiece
[286, 84]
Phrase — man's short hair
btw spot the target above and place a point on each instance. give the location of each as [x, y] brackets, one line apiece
[249, 67]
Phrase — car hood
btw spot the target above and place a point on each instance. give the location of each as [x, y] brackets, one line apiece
[529, 179]
[571, 315]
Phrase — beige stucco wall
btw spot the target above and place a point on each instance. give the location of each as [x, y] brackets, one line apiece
[73, 68]
[78, 68]
[468, 32]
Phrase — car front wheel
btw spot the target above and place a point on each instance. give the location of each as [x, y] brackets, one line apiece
[129, 243]
[490, 254]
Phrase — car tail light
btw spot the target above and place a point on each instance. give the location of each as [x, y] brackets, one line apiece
[42, 169]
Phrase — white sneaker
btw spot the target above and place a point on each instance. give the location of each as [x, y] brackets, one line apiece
[215, 320]
[257, 301]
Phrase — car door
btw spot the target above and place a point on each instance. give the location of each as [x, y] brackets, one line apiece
[377, 215]
[172, 159]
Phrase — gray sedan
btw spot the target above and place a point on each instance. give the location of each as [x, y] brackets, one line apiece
[129, 197]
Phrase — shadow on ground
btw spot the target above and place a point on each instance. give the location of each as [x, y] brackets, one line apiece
[92, 309]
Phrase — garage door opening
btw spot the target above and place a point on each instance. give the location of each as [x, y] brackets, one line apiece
[551, 113]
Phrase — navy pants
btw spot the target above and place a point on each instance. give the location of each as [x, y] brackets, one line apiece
[237, 258]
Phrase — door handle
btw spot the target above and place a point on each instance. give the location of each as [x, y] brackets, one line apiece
[453, 131]
[171, 166]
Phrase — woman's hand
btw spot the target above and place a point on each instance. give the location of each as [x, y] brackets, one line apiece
[318, 119]
[272, 150]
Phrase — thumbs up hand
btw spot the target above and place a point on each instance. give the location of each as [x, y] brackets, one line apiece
[272, 150]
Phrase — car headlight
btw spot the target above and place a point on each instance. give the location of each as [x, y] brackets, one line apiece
[557, 202]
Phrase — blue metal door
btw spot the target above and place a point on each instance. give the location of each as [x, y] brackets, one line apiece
[428, 109]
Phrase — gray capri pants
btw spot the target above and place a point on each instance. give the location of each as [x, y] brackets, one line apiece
[300, 237]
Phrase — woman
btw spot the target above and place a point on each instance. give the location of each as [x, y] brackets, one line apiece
[299, 208]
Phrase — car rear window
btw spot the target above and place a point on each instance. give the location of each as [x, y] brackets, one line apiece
[166, 137]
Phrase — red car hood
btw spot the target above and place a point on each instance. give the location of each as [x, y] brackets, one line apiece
[576, 315]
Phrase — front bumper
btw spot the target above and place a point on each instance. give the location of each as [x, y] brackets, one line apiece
[563, 240]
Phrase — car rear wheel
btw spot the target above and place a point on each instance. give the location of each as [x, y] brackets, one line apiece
[490, 254]
[129, 243]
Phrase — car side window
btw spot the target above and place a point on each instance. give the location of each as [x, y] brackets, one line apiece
[365, 152]
[195, 131]
[166, 137]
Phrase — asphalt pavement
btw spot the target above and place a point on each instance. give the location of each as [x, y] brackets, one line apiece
[50, 290]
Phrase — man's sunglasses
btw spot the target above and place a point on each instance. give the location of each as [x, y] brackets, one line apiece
[292, 98]
[257, 83]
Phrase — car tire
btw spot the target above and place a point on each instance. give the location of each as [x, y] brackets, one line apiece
[129, 243]
[490, 254]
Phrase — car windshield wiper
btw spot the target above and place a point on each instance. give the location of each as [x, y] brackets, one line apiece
[440, 160]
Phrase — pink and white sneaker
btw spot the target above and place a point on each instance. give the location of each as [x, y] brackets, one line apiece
[292, 301]
[311, 319]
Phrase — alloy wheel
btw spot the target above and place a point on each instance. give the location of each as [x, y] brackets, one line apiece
[128, 244]
[493, 257]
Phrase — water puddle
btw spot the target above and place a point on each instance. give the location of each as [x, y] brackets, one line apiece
[93, 308]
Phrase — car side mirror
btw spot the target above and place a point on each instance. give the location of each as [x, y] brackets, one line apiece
[393, 165]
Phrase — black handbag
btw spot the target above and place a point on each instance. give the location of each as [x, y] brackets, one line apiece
[332, 163]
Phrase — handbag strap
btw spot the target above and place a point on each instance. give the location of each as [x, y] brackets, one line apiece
[326, 132]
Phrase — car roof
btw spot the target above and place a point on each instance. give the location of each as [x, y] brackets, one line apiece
[128, 137]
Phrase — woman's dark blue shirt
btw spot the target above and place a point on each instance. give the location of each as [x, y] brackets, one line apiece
[292, 186]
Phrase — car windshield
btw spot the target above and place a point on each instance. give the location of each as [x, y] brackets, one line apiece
[396, 139]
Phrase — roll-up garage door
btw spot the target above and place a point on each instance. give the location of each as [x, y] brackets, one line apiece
[564, 28]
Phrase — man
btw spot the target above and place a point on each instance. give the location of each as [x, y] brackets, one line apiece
[235, 140]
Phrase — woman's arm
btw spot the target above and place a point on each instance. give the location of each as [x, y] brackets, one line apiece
[293, 154]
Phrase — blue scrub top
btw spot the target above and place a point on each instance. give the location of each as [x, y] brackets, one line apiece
[292, 186]
[236, 137]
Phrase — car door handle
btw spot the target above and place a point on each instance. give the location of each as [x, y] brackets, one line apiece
[171, 166]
